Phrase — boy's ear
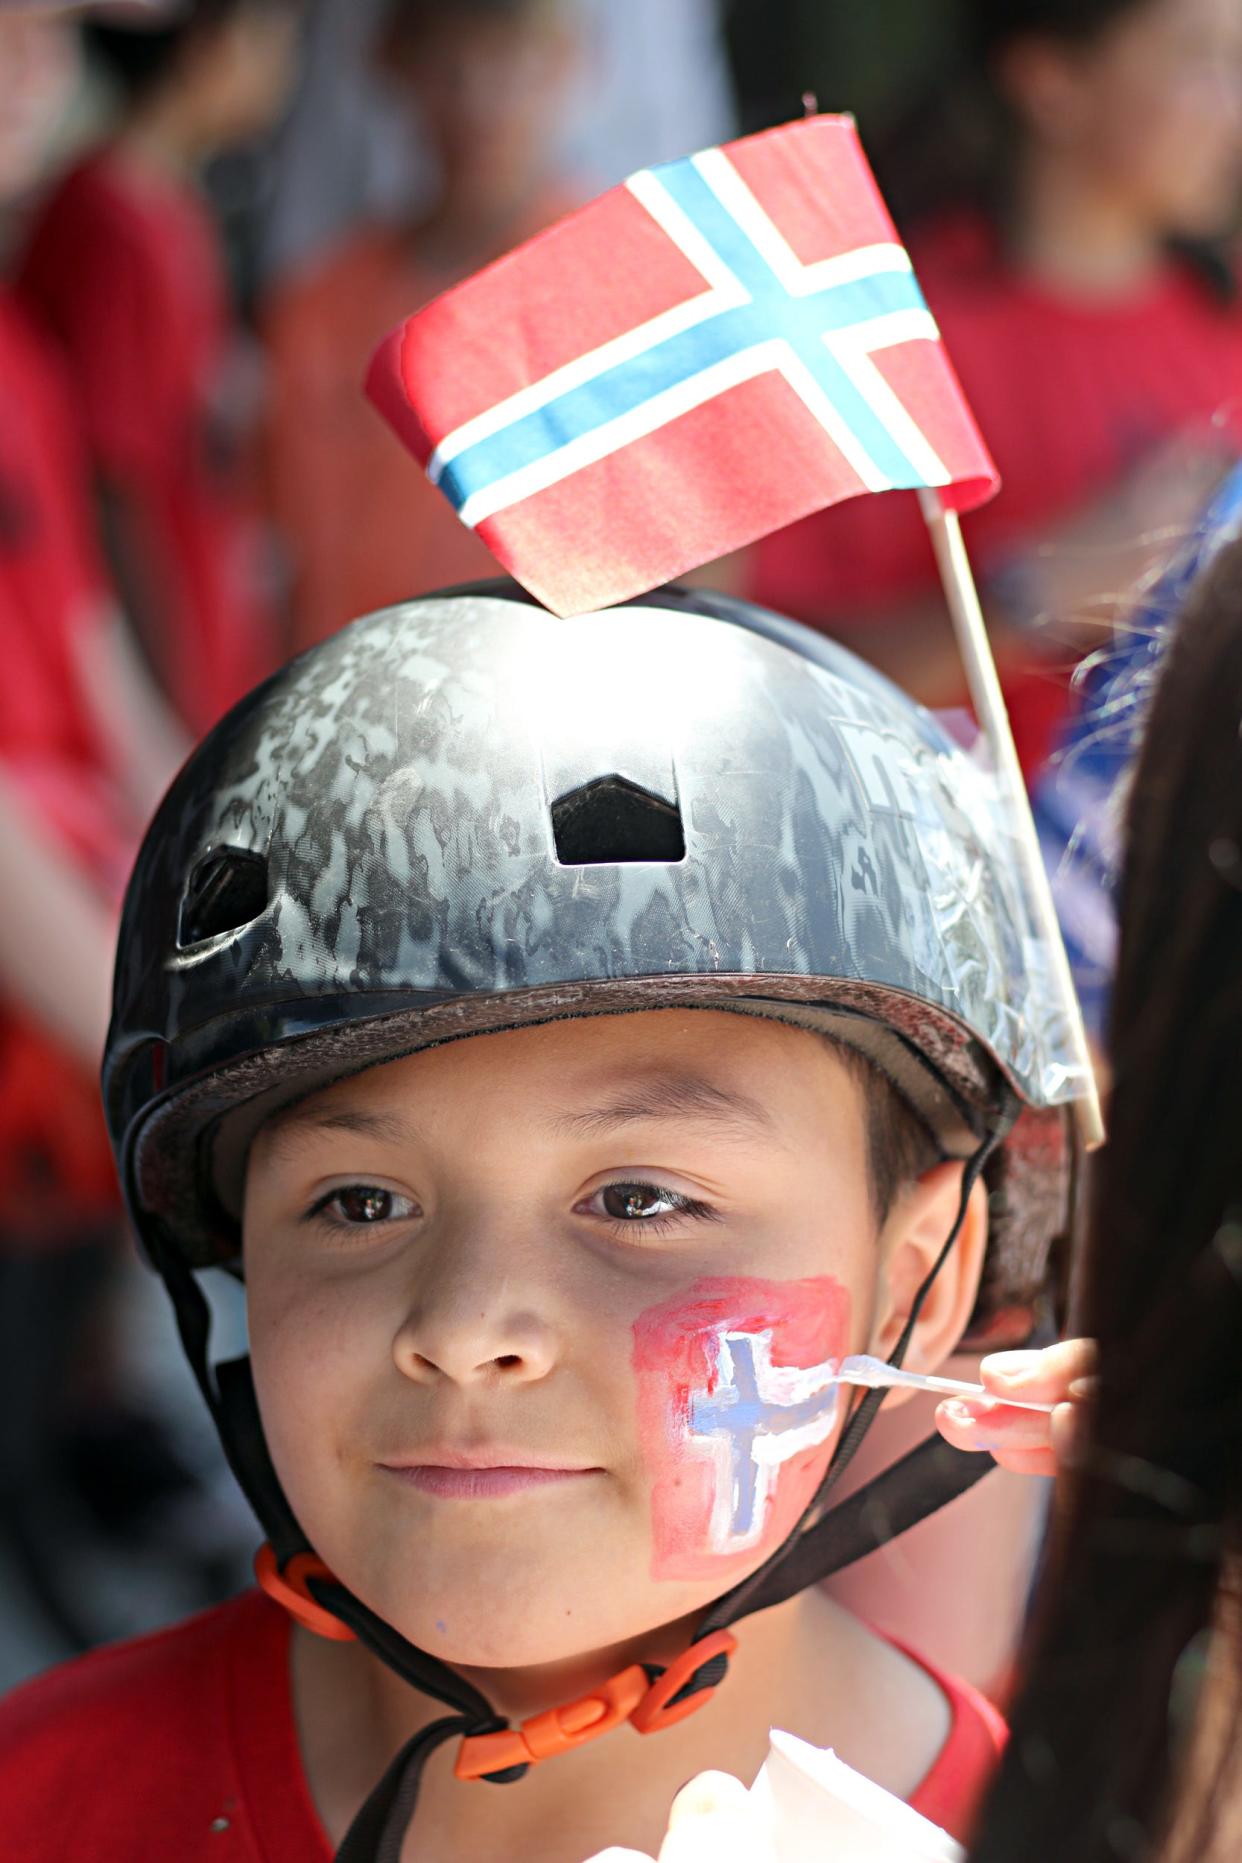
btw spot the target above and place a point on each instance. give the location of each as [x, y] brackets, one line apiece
[910, 1241]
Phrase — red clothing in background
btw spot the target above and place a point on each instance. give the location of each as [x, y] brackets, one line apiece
[1069, 397]
[53, 598]
[183, 1745]
[53, 589]
[364, 526]
[126, 272]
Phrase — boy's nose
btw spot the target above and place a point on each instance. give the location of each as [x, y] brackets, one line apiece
[470, 1334]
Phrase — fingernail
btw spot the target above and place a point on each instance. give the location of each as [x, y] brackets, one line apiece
[1083, 1387]
[961, 1410]
[1011, 1366]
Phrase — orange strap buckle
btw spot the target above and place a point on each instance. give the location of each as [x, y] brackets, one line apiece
[653, 1712]
[628, 1696]
[555, 1731]
[289, 1590]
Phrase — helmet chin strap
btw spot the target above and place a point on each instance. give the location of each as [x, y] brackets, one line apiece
[646, 1695]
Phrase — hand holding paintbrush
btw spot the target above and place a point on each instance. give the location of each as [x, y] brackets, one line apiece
[1025, 1412]
[1031, 1410]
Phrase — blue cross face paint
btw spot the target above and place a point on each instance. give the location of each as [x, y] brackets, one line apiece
[738, 1404]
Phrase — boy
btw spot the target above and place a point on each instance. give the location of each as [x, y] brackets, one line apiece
[485, 79]
[124, 269]
[585, 1034]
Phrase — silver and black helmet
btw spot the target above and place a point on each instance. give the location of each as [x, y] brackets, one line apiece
[464, 814]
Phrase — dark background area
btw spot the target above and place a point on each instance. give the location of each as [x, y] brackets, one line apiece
[867, 59]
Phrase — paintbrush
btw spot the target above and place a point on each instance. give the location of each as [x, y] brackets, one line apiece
[877, 1376]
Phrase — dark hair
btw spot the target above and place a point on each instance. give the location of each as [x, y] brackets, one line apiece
[993, 24]
[139, 58]
[953, 147]
[406, 20]
[900, 1146]
[1096, 1765]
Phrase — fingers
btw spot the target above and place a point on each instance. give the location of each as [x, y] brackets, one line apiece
[1019, 1440]
[1027, 1442]
[1057, 1374]
[713, 1820]
[1069, 1434]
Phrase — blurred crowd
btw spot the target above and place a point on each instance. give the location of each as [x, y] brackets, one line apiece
[210, 213]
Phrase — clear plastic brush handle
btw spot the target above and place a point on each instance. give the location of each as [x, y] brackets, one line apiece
[877, 1376]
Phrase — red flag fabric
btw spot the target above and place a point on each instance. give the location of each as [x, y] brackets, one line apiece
[710, 351]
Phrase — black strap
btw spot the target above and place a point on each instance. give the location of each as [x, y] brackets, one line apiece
[376, 1834]
[926, 1479]
[230, 1397]
[426, 1673]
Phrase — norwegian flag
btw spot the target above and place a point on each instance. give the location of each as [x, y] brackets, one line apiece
[704, 354]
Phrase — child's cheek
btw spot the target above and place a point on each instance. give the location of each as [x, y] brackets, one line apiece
[737, 1399]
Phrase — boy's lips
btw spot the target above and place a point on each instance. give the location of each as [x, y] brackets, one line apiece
[485, 1473]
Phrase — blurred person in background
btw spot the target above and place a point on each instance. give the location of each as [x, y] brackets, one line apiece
[651, 82]
[486, 79]
[124, 268]
[104, 1525]
[1059, 203]
[85, 750]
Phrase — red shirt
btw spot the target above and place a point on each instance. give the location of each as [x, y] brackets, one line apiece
[182, 1746]
[1068, 394]
[54, 1160]
[53, 590]
[364, 525]
[126, 272]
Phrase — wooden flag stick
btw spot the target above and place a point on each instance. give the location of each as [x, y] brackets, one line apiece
[989, 704]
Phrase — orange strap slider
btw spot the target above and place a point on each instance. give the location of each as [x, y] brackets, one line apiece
[289, 1590]
[628, 1696]
[653, 1711]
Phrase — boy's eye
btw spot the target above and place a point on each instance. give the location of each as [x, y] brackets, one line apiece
[634, 1202]
[364, 1204]
[652, 1205]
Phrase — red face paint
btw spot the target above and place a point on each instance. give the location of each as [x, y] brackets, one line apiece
[736, 1401]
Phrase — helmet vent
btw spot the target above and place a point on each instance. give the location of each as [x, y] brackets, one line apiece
[226, 890]
[611, 820]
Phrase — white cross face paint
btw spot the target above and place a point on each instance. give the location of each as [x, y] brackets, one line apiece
[738, 1399]
[757, 1417]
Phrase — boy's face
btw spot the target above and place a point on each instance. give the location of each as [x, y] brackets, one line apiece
[487, 93]
[543, 1323]
[1150, 110]
[245, 71]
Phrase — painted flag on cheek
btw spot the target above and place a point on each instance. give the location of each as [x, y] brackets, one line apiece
[737, 1401]
[704, 354]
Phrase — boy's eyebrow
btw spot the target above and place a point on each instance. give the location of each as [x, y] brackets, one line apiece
[684, 1096]
[308, 1118]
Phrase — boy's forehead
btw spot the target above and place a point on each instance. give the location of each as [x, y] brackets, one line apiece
[590, 1074]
